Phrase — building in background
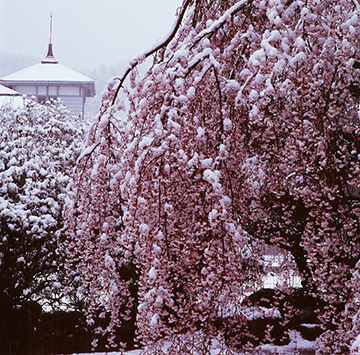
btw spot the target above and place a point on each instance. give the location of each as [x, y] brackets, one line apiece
[49, 79]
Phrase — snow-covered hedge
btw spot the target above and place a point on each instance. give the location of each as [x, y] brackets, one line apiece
[39, 145]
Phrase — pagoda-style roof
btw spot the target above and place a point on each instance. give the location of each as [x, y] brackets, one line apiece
[49, 72]
[51, 80]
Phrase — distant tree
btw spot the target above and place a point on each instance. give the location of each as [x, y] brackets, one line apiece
[243, 133]
[10, 63]
[102, 75]
[38, 149]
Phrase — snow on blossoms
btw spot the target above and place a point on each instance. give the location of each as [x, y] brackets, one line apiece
[241, 136]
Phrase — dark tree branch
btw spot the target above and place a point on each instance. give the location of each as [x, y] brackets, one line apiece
[134, 64]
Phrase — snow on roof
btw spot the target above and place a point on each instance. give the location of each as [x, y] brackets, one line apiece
[13, 101]
[11, 98]
[46, 71]
[4, 91]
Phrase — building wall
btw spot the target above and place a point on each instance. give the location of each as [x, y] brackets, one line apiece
[72, 96]
[69, 90]
[73, 103]
[28, 90]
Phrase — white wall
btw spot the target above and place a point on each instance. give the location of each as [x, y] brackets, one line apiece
[28, 90]
[73, 103]
[69, 90]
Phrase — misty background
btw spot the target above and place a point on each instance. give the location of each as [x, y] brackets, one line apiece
[94, 37]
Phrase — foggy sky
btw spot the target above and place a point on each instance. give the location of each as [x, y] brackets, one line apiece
[86, 33]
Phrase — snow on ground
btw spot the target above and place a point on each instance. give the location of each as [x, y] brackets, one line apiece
[297, 345]
[304, 347]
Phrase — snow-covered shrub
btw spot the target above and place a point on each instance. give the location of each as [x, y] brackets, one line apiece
[39, 145]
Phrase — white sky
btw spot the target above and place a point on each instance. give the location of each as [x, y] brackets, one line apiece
[86, 33]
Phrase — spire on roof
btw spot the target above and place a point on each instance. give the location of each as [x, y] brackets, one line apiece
[50, 59]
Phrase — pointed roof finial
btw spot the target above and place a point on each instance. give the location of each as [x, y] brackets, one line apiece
[51, 15]
[50, 59]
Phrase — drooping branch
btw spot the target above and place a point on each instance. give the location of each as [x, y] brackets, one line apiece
[216, 25]
[253, 138]
[357, 5]
[163, 44]
[213, 28]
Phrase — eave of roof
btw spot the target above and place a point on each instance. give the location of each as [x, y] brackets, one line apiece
[5, 91]
[49, 74]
